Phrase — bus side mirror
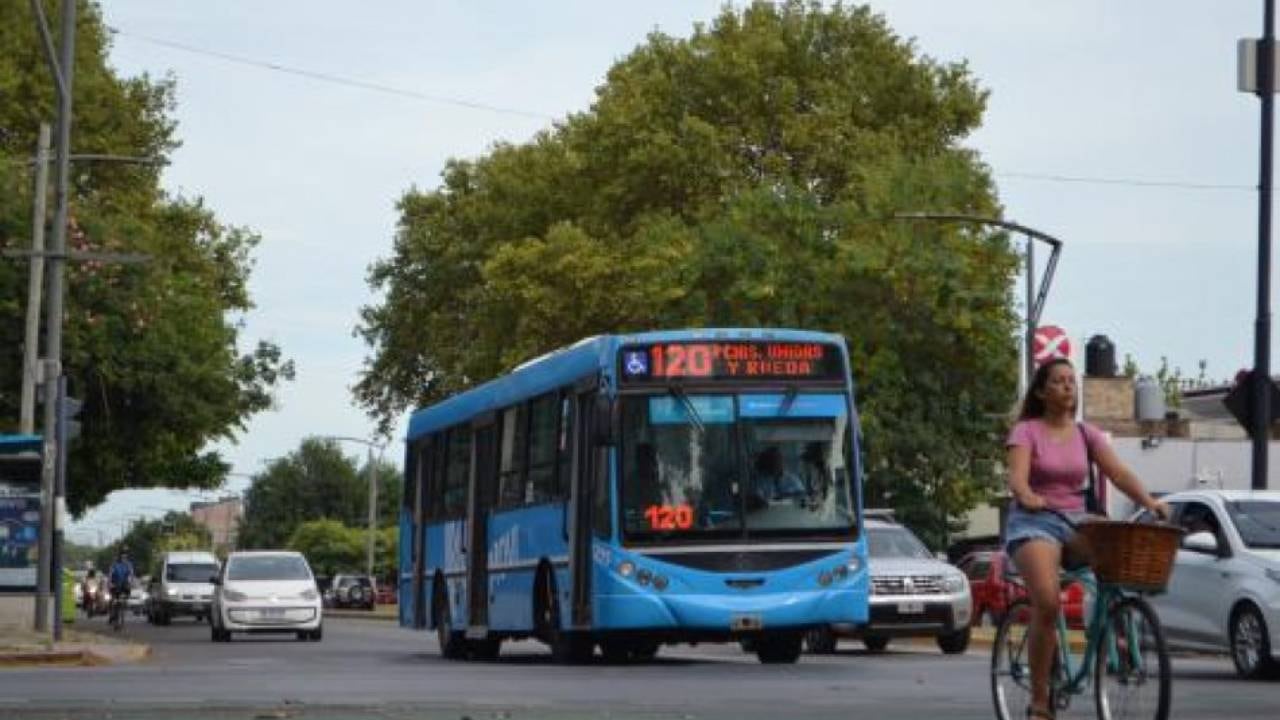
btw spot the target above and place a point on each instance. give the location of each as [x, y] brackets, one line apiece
[602, 422]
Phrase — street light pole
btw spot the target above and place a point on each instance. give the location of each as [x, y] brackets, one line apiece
[373, 494]
[1034, 306]
[1261, 420]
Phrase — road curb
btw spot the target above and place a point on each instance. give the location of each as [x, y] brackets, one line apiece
[92, 655]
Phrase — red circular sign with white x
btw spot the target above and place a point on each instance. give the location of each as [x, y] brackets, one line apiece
[1051, 342]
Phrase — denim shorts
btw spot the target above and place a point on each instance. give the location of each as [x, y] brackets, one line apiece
[1023, 525]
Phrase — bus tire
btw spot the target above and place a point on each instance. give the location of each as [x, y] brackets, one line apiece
[781, 649]
[820, 641]
[452, 644]
[567, 647]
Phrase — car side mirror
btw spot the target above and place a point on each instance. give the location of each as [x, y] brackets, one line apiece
[1202, 542]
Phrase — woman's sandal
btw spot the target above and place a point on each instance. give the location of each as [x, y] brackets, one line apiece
[1041, 713]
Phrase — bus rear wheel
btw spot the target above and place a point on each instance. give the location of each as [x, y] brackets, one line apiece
[779, 649]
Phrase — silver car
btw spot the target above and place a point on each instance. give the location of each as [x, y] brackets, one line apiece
[913, 594]
[1224, 594]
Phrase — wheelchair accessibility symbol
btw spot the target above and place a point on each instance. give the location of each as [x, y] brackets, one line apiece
[635, 362]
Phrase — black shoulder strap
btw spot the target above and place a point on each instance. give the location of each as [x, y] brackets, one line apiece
[1090, 490]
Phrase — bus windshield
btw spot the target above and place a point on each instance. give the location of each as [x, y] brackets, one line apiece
[735, 466]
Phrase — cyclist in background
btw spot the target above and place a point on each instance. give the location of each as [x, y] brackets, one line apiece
[1048, 461]
[121, 579]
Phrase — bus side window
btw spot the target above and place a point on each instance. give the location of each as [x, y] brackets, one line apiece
[434, 503]
[543, 425]
[455, 493]
[511, 458]
[564, 447]
[412, 471]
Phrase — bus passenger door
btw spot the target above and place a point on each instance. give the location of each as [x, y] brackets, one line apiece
[585, 455]
[418, 526]
[479, 500]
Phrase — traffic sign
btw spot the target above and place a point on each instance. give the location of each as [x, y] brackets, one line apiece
[1050, 343]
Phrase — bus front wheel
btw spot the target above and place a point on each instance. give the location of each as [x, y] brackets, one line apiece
[566, 646]
[779, 649]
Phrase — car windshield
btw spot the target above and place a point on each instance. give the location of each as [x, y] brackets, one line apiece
[268, 567]
[190, 572]
[1258, 522]
[733, 466]
[894, 542]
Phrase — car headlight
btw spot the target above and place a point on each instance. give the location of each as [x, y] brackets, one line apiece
[308, 594]
[172, 592]
[233, 595]
[953, 583]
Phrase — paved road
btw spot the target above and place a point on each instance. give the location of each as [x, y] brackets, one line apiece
[372, 669]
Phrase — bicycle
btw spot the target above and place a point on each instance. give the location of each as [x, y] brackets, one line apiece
[116, 610]
[1125, 659]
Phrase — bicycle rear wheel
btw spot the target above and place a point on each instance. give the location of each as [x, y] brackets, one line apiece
[1010, 670]
[1132, 677]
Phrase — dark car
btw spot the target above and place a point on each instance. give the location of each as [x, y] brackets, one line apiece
[353, 591]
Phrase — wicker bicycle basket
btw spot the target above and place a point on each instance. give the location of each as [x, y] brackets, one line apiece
[1135, 556]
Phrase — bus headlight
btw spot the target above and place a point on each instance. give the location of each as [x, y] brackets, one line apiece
[824, 578]
[660, 582]
[644, 576]
[853, 564]
[626, 568]
[841, 572]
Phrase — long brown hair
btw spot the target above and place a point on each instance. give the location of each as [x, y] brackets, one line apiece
[1032, 402]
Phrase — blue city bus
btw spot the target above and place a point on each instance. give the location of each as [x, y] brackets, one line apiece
[631, 491]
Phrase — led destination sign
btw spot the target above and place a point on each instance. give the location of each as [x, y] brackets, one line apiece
[731, 360]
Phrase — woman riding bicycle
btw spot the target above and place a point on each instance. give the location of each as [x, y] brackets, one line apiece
[1048, 462]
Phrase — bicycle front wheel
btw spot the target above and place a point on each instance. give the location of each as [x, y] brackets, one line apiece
[1132, 677]
[1010, 669]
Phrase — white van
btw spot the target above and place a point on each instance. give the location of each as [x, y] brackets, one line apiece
[181, 585]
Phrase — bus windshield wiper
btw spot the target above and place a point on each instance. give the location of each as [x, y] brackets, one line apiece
[678, 393]
[788, 399]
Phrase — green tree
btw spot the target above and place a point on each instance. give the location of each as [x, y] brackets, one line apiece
[148, 539]
[329, 546]
[152, 349]
[745, 176]
[315, 482]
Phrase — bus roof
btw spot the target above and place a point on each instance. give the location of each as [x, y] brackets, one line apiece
[582, 359]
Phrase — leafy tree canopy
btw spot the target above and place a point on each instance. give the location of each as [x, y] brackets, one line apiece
[745, 176]
[147, 540]
[331, 548]
[315, 482]
[151, 349]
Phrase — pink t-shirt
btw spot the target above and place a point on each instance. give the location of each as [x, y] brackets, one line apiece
[1059, 468]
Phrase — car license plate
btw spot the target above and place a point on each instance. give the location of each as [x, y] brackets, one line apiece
[271, 613]
[910, 608]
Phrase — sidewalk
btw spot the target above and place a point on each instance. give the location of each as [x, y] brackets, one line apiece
[21, 647]
[381, 612]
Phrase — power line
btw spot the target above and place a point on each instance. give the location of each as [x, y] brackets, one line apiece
[440, 99]
[1127, 182]
[330, 78]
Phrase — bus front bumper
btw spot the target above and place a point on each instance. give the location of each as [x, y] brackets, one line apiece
[732, 614]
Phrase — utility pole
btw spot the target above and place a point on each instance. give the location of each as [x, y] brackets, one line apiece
[31, 338]
[1262, 325]
[373, 514]
[52, 505]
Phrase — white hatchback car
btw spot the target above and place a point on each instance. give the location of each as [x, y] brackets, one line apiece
[1224, 594]
[266, 592]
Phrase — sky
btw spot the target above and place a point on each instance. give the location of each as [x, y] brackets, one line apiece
[1115, 127]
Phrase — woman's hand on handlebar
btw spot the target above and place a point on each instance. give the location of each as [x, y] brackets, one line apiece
[1159, 508]
[1032, 502]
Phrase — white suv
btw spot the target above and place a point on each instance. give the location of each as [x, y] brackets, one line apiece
[266, 592]
[913, 594]
[1224, 594]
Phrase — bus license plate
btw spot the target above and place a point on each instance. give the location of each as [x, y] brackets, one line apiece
[910, 608]
[745, 621]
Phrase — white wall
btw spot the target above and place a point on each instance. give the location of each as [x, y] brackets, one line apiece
[1183, 464]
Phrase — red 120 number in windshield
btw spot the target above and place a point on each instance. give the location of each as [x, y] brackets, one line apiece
[669, 517]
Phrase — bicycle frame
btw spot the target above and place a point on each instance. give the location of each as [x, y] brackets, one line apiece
[1099, 636]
